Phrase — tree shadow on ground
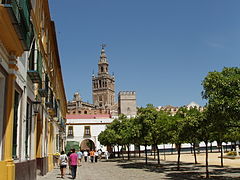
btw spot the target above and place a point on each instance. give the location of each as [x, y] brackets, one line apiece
[187, 170]
[153, 167]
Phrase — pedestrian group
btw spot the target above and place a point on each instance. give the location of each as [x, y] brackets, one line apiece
[73, 159]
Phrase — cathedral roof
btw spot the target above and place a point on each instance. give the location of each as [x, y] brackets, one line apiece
[88, 116]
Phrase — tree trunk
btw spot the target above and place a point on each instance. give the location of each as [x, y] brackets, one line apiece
[218, 144]
[134, 151]
[139, 151]
[179, 153]
[207, 172]
[145, 152]
[122, 152]
[154, 151]
[164, 153]
[211, 146]
[128, 152]
[151, 151]
[114, 152]
[221, 154]
[191, 147]
[118, 151]
[194, 151]
[158, 154]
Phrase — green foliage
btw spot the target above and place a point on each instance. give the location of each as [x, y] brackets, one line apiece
[222, 90]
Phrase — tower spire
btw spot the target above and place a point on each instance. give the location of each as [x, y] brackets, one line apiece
[103, 57]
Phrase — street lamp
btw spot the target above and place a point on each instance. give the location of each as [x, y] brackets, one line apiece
[36, 105]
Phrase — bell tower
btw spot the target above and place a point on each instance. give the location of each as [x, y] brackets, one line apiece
[103, 85]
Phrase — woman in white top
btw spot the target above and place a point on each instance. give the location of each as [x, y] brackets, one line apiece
[85, 154]
[63, 163]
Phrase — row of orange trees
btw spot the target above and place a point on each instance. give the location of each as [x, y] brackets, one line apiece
[219, 121]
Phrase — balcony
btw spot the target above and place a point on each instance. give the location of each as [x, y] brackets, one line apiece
[19, 12]
[35, 66]
[43, 92]
[49, 104]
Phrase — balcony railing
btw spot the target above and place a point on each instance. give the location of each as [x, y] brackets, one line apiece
[35, 66]
[20, 15]
[43, 91]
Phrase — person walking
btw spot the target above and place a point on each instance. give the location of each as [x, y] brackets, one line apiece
[106, 154]
[96, 156]
[79, 153]
[73, 162]
[92, 153]
[63, 163]
[85, 154]
[99, 154]
[70, 168]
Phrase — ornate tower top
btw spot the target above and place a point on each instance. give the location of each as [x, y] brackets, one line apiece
[103, 63]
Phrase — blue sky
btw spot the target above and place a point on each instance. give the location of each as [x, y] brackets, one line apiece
[162, 49]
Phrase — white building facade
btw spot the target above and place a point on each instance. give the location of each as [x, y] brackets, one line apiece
[86, 128]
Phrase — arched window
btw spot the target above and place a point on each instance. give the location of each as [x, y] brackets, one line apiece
[85, 112]
[74, 112]
[102, 69]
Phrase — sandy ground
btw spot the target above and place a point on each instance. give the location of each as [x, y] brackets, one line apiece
[212, 159]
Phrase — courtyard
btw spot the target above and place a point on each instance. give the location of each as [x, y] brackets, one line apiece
[135, 169]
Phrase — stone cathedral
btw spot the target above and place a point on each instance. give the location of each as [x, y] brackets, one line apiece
[103, 85]
[103, 94]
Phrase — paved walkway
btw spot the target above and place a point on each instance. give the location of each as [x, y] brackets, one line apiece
[137, 170]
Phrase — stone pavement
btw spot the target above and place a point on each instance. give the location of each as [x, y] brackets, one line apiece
[118, 169]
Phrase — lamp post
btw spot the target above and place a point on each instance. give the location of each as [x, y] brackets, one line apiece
[36, 105]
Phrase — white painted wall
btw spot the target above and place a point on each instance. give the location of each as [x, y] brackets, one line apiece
[78, 130]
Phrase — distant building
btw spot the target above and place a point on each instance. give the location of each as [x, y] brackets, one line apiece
[77, 107]
[84, 130]
[127, 103]
[170, 109]
[194, 105]
[85, 121]
[173, 109]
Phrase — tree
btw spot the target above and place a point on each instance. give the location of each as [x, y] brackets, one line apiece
[191, 126]
[125, 132]
[108, 137]
[176, 131]
[205, 131]
[161, 130]
[146, 118]
[222, 90]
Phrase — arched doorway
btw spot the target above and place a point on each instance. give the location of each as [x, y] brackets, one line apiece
[87, 144]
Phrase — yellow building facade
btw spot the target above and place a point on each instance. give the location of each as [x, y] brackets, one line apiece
[32, 95]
